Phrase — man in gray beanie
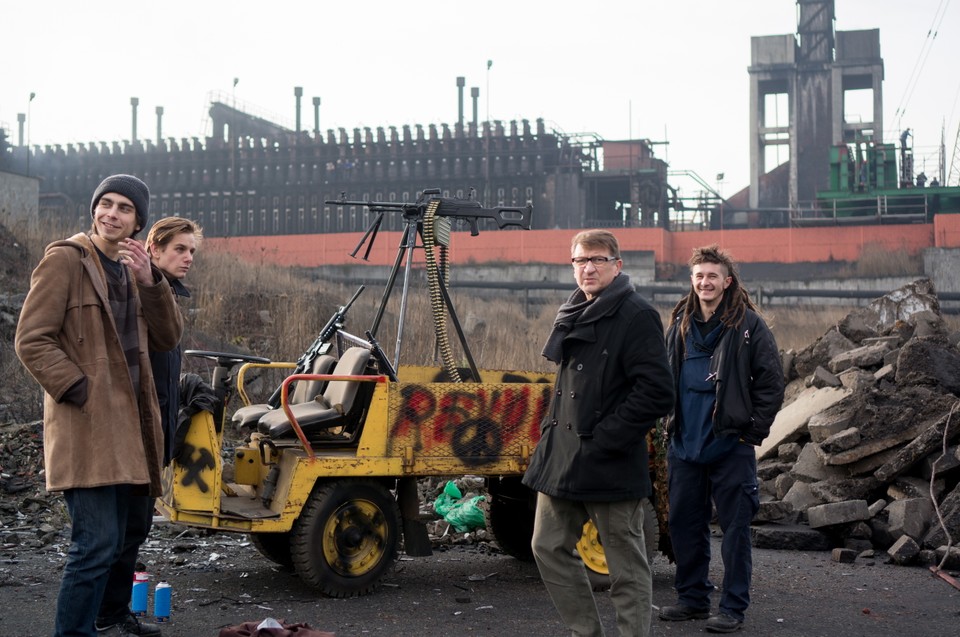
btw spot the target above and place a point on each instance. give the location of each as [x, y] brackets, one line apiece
[131, 188]
[95, 310]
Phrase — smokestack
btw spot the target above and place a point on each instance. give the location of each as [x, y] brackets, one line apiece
[21, 118]
[475, 94]
[316, 117]
[461, 81]
[159, 126]
[298, 93]
[134, 102]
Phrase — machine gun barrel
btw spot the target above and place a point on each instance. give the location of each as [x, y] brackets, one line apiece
[468, 209]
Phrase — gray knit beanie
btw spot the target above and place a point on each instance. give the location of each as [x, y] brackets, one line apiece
[131, 188]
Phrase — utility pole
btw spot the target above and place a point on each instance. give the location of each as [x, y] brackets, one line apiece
[29, 119]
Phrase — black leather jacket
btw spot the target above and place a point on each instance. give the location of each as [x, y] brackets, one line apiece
[748, 376]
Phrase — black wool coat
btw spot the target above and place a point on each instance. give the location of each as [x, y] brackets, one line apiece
[614, 382]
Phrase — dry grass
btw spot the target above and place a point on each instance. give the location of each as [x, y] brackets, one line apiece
[499, 332]
[877, 260]
[796, 327]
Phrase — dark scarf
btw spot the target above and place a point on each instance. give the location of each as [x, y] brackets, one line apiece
[580, 311]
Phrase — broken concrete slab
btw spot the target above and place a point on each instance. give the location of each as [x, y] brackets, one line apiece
[904, 550]
[789, 538]
[834, 513]
[887, 420]
[790, 451]
[772, 467]
[810, 467]
[877, 507]
[928, 323]
[801, 497]
[835, 490]
[822, 377]
[775, 511]
[929, 361]
[856, 379]
[909, 517]
[887, 372]
[790, 423]
[906, 487]
[870, 464]
[922, 444]
[892, 341]
[842, 440]
[818, 354]
[782, 485]
[863, 357]
[828, 422]
[890, 358]
[950, 512]
[900, 305]
[859, 324]
[952, 555]
[843, 556]
[940, 462]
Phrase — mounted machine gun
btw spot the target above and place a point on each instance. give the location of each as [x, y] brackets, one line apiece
[429, 219]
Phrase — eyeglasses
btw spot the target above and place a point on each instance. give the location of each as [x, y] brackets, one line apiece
[598, 262]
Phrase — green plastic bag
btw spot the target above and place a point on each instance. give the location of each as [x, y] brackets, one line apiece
[463, 515]
[447, 499]
[466, 515]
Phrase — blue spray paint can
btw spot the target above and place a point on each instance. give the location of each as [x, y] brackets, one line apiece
[161, 602]
[138, 599]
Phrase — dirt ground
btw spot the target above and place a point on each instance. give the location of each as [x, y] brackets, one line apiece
[221, 580]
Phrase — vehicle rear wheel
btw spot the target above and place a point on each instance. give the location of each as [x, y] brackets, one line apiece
[346, 537]
[274, 546]
[512, 509]
[590, 549]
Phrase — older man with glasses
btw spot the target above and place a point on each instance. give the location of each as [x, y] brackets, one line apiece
[613, 383]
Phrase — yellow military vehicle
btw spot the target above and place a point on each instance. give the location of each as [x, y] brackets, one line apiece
[327, 481]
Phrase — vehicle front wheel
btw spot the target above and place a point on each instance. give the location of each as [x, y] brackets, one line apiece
[346, 537]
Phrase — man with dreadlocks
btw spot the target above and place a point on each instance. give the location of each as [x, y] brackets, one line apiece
[591, 461]
[729, 387]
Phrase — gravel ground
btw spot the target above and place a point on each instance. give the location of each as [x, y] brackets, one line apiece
[471, 588]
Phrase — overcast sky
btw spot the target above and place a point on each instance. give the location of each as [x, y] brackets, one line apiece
[668, 71]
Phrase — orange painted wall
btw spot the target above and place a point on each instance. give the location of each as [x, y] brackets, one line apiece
[946, 231]
[774, 245]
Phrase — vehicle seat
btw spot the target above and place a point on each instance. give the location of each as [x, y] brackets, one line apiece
[246, 418]
[326, 410]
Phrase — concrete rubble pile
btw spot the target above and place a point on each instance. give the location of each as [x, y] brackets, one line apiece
[30, 517]
[863, 457]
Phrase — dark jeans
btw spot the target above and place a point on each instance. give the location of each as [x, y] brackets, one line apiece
[99, 519]
[115, 606]
[731, 483]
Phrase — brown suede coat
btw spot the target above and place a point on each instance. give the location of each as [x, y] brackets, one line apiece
[66, 331]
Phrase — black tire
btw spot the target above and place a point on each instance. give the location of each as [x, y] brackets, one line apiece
[590, 549]
[512, 509]
[346, 537]
[274, 546]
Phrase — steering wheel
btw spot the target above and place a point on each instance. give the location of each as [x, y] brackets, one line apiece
[226, 359]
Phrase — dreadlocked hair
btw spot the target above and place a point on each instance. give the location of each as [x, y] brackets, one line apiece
[736, 299]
